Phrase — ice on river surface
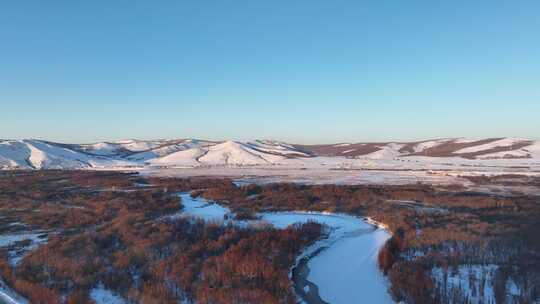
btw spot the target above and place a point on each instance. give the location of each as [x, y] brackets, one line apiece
[201, 208]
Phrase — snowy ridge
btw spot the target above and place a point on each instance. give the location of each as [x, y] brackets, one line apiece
[237, 153]
[422, 146]
[277, 147]
[188, 158]
[531, 151]
[39, 154]
[8, 296]
[36, 154]
[121, 147]
[505, 142]
[388, 151]
[168, 149]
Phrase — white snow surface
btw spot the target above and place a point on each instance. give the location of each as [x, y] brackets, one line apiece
[201, 208]
[168, 148]
[182, 158]
[12, 238]
[236, 153]
[463, 140]
[36, 154]
[505, 142]
[276, 147]
[14, 154]
[388, 151]
[8, 296]
[141, 145]
[101, 295]
[420, 147]
[103, 148]
[475, 281]
[121, 147]
[531, 151]
[229, 153]
[347, 272]
[36, 238]
[269, 156]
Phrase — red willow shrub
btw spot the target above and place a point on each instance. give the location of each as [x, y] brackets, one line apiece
[115, 232]
[110, 232]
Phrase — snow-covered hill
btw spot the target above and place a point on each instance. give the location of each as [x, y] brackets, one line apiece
[168, 148]
[231, 153]
[39, 154]
[119, 148]
[236, 153]
[446, 147]
[36, 154]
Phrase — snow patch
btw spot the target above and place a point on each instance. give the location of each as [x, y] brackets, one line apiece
[8, 296]
[34, 238]
[505, 142]
[472, 281]
[101, 295]
[201, 208]
[388, 151]
[420, 147]
[232, 153]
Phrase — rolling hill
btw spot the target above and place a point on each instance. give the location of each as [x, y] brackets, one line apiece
[40, 154]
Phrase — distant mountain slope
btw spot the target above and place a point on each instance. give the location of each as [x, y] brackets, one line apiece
[473, 149]
[119, 148]
[278, 148]
[230, 153]
[188, 157]
[235, 153]
[168, 148]
[344, 149]
[449, 147]
[39, 154]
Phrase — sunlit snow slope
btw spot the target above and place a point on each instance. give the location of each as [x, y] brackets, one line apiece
[39, 154]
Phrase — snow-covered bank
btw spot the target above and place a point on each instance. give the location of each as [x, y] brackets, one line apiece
[473, 281]
[347, 271]
[201, 208]
[387, 175]
[101, 295]
[20, 243]
[344, 267]
[17, 245]
[8, 296]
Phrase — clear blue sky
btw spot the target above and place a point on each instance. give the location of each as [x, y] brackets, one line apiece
[301, 71]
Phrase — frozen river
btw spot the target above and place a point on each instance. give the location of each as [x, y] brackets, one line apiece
[343, 267]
